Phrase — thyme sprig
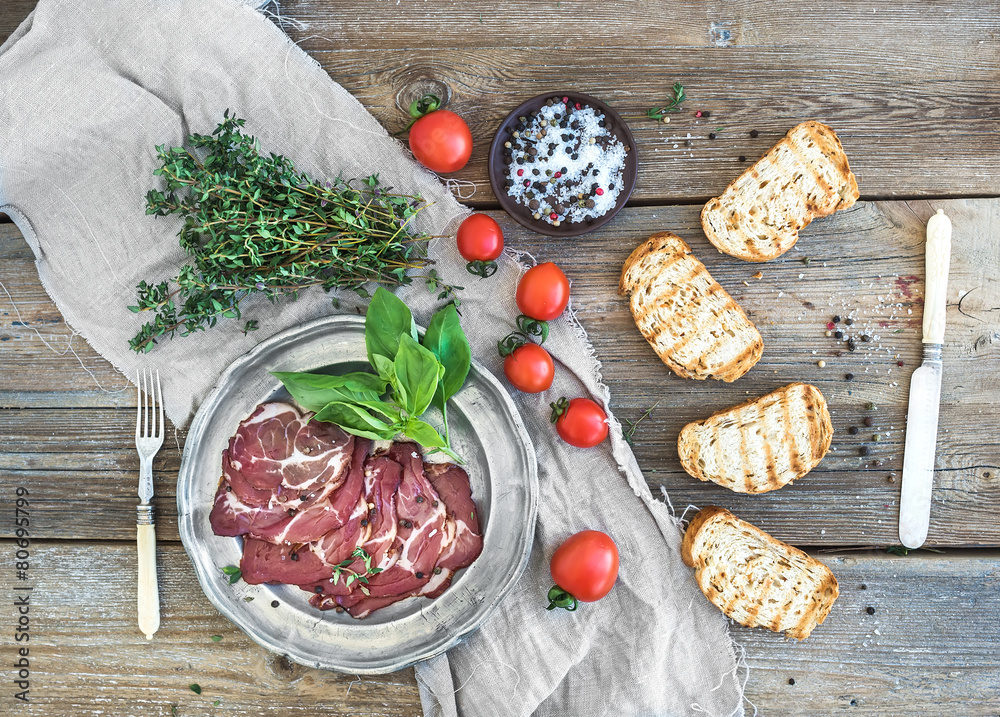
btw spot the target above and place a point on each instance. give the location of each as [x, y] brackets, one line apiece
[343, 568]
[254, 224]
[658, 113]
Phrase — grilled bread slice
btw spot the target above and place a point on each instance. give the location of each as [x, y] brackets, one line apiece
[804, 176]
[754, 579]
[690, 321]
[762, 444]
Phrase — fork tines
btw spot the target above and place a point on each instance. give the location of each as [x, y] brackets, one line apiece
[146, 424]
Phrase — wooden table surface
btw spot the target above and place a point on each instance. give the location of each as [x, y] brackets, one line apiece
[911, 88]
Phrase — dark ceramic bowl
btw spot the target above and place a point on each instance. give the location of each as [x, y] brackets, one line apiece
[521, 214]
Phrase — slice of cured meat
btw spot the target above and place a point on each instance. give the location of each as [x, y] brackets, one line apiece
[265, 562]
[328, 508]
[282, 451]
[232, 517]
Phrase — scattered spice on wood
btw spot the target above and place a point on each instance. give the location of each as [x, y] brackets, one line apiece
[754, 134]
[853, 430]
[864, 451]
[870, 610]
[869, 421]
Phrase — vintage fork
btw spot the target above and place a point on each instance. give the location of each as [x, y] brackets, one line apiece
[148, 439]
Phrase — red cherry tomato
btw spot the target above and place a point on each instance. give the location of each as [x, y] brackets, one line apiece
[480, 241]
[543, 292]
[529, 368]
[580, 422]
[441, 141]
[583, 568]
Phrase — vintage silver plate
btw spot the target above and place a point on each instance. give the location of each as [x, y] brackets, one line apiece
[486, 431]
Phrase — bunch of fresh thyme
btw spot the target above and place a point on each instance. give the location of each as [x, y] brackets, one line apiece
[256, 224]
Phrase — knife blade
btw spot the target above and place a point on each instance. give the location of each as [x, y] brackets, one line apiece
[925, 391]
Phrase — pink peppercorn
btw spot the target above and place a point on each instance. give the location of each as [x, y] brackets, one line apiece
[577, 105]
[520, 173]
[899, 363]
[553, 216]
[565, 99]
[557, 175]
[698, 113]
[600, 191]
[527, 182]
[830, 326]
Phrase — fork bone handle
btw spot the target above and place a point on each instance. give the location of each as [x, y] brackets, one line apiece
[148, 589]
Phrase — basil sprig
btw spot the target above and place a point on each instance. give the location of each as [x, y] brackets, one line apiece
[410, 376]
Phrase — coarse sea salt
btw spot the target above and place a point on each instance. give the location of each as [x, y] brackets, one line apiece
[599, 163]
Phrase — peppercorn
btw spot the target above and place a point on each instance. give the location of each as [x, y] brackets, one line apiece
[899, 363]
[863, 586]
[791, 680]
[870, 610]
[318, 589]
[419, 575]
[838, 334]
[754, 134]
[851, 346]
[870, 406]
[864, 451]
[742, 158]
[706, 113]
[849, 321]
[877, 437]
[869, 421]
[866, 338]
[853, 430]
[275, 603]
[836, 319]
[711, 135]
[293, 557]
[849, 376]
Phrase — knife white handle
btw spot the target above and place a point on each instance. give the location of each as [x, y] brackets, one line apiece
[938, 258]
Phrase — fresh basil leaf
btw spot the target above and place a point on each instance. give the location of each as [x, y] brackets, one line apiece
[424, 433]
[388, 319]
[312, 391]
[417, 375]
[385, 367]
[446, 340]
[357, 420]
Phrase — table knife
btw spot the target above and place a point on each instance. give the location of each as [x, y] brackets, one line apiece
[925, 391]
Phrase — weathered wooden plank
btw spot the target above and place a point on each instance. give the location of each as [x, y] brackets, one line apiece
[916, 109]
[930, 642]
[863, 263]
[885, 117]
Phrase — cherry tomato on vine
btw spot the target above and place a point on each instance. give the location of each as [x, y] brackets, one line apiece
[441, 141]
[480, 242]
[580, 422]
[529, 368]
[543, 292]
[584, 569]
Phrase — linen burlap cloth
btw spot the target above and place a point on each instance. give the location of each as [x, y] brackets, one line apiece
[86, 91]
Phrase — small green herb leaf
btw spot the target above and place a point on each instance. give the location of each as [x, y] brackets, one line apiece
[313, 391]
[446, 340]
[195, 687]
[387, 319]
[233, 572]
[216, 638]
[418, 372]
[357, 420]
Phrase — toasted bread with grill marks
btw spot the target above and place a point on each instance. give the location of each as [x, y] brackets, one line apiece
[760, 445]
[695, 327]
[804, 176]
[754, 579]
